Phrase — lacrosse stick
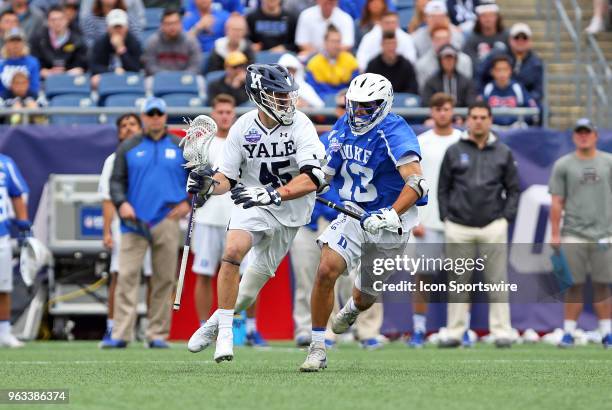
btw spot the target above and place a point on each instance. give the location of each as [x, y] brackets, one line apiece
[195, 146]
[345, 211]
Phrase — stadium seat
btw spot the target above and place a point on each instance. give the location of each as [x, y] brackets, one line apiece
[267, 57]
[67, 84]
[153, 17]
[404, 4]
[214, 76]
[131, 102]
[145, 35]
[205, 58]
[404, 16]
[72, 100]
[171, 82]
[128, 83]
[406, 100]
[183, 100]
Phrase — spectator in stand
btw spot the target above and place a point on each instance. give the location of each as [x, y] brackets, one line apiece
[271, 27]
[462, 13]
[235, 40]
[428, 64]
[527, 67]
[394, 67]
[19, 96]
[16, 57]
[170, 49]
[295, 7]
[308, 97]
[30, 18]
[312, 27]
[373, 11]
[333, 69]
[205, 23]
[418, 16]
[231, 6]
[134, 8]
[57, 48]
[503, 91]
[71, 9]
[233, 81]
[598, 21]
[116, 51]
[8, 21]
[356, 8]
[93, 19]
[371, 43]
[435, 16]
[488, 34]
[170, 4]
[449, 80]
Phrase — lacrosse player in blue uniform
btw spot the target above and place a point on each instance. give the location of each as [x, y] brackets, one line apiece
[373, 160]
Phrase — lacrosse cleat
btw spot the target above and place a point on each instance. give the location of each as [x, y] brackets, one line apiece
[466, 341]
[566, 341]
[113, 344]
[371, 344]
[203, 337]
[607, 341]
[10, 341]
[254, 339]
[417, 340]
[225, 347]
[344, 320]
[316, 359]
[158, 344]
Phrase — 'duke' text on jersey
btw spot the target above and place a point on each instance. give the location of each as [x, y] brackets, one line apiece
[270, 150]
[355, 153]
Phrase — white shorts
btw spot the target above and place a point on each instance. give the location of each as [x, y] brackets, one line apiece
[6, 265]
[207, 244]
[430, 245]
[345, 236]
[271, 239]
[147, 266]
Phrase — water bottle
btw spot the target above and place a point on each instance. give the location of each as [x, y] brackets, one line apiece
[239, 329]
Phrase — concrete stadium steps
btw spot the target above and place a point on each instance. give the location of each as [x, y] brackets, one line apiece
[564, 108]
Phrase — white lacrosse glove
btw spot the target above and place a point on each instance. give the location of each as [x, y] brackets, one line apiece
[384, 218]
[255, 196]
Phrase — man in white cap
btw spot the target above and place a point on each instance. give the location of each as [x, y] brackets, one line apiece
[436, 15]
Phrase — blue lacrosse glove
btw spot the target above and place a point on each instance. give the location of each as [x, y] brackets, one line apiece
[201, 180]
[24, 230]
[255, 196]
[384, 218]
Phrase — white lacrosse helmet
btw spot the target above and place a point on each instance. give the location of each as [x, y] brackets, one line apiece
[368, 101]
[33, 257]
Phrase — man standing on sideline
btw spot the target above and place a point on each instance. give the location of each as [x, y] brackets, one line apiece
[211, 221]
[128, 125]
[430, 232]
[147, 189]
[12, 191]
[581, 189]
[478, 193]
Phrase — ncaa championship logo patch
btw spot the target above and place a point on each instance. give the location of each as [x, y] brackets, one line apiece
[252, 135]
[334, 145]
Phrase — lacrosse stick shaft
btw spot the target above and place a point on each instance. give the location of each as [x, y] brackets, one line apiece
[345, 211]
[186, 246]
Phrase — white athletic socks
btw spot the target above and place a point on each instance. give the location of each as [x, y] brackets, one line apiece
[419, 321]
[251, 325]
[569, 326]
[109, 324]
[226, 318]
[318, 335]
[5, 327]
[605, 326]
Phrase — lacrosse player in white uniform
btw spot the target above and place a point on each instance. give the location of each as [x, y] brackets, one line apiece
[272, 163]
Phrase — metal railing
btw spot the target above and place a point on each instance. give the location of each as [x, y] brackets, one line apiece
[573, 30]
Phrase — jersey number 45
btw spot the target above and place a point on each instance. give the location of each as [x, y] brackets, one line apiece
[271, 173]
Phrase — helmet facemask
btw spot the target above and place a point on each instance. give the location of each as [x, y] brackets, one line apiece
[364, 115]
[279, 105]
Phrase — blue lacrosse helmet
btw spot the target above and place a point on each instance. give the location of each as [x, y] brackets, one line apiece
[272, 88]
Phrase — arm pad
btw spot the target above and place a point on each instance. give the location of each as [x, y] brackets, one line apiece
[418, 184]
[317, 176]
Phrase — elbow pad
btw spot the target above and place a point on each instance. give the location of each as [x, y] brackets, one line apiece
[317, 176]
[418, 184]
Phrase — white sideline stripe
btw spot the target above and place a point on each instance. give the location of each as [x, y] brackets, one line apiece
[85, 362]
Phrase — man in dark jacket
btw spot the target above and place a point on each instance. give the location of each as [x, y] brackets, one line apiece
[59, 49]
[394, 66]
[147, 188]
[478, 193]
[449, 80]
[118, 50]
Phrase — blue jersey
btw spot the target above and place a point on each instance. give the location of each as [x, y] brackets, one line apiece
[12, 185]
[365, 166]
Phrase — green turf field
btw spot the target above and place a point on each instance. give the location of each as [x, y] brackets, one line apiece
[524, 377]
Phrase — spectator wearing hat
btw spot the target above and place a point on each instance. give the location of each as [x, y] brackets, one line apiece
[149, 211]
[8, 21]
[580, 186]
[271, 27]
[503, 91]
[93, 18]
[58, 49]
[428, 64]
[394, 67]
[527, 67]
[235, 39]
[116, 51]
[488, 34]
[31, 19]
[371, 43]
[16, 57]
[313, 23]
[307, 96]
[449, 80]
[233, 81]
[205, 23]
[170, 49]
[436, 15]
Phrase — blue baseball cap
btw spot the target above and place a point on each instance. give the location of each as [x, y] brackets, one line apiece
[154, 103]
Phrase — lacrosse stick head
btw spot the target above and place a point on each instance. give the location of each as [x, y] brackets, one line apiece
[202, 129]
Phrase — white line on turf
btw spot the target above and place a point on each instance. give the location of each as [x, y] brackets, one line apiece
[86, 362]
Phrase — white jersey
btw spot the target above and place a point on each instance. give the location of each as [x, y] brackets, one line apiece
[217, 210]
[257, 157]
[433, 148]
[104, 191]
